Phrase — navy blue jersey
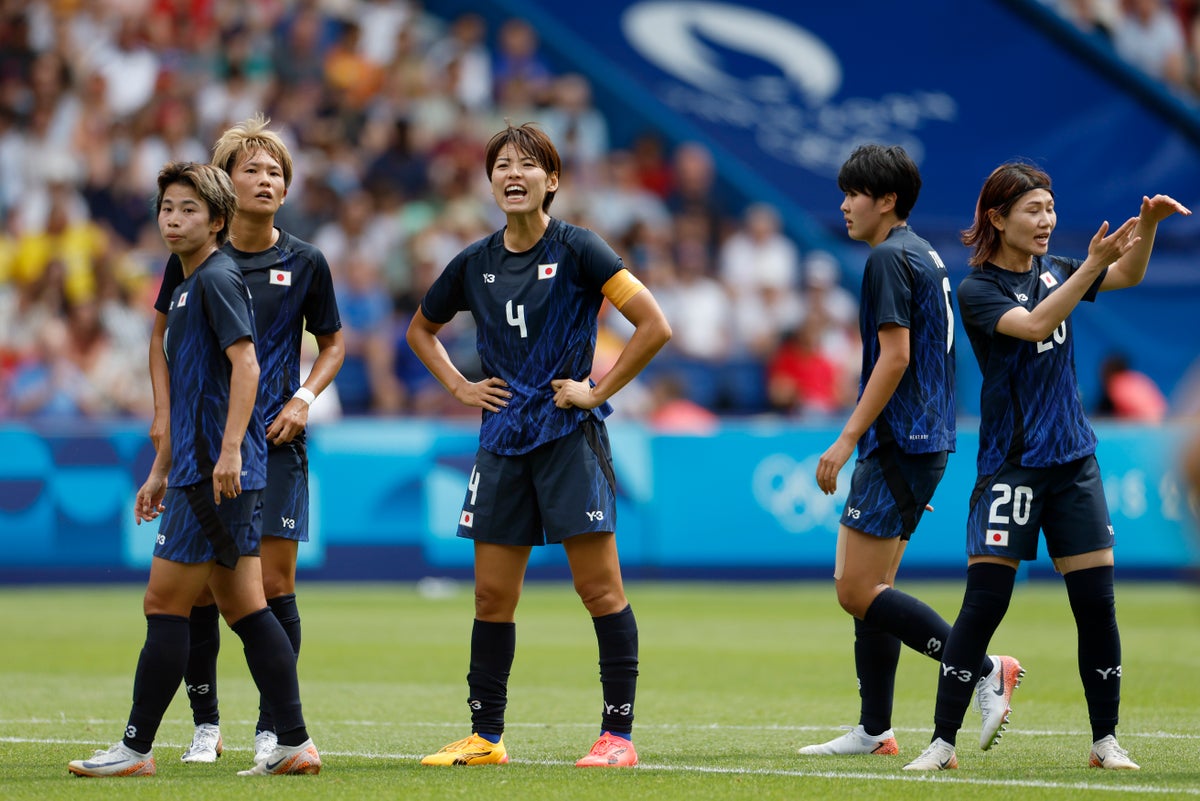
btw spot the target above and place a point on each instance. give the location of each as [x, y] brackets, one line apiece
[535, 318]
[1030, 410]
[906, 283]
[292, 290]
[209, 311]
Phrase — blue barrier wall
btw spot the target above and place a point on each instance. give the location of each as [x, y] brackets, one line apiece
[741, 503]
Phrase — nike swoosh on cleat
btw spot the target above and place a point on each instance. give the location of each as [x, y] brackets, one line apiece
[272, 766]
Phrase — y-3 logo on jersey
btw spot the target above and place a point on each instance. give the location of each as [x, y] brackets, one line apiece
[489, 278]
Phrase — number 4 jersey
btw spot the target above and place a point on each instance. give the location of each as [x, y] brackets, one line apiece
[1031, 414]
[535, 318]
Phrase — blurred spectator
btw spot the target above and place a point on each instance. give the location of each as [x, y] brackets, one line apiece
[620, 201]
[1096, 19]
[49, 385]
[464, 56]
[578, 128]
[519, 65]
[69, 239]
[759, 266]
[694, 193]
[366, 383]
[1128, 394]
[801, 379]
[1150, 37]
[672, 412]
[130, 68]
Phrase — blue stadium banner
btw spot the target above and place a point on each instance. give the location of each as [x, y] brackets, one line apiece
[740, 503]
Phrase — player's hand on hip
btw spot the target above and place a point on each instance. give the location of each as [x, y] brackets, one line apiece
[568, 393]
[490, 393]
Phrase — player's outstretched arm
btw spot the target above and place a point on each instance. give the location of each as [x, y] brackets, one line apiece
[1130, 269]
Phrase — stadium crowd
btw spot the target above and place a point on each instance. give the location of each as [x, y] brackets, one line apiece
[387, 107]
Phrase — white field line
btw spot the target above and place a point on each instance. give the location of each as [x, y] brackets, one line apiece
[956, 778]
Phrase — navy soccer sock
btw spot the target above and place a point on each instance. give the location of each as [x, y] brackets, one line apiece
[273, 666]
[617, 638]
[159, 671]
[1093, 602]
[200, 677]
[876, 654]
[910, 619]
[989, 590]
[288, 614]
[493, 646]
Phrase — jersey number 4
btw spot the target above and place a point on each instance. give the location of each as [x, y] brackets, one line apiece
[518, 319]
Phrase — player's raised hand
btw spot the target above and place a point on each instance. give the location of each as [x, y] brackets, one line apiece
[490, 393]
[1161, 207]
[1106, 249]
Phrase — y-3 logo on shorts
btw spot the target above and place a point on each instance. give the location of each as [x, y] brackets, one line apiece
[596, 516]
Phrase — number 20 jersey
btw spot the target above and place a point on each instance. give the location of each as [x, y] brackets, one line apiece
[536, 320]
[1030, 410]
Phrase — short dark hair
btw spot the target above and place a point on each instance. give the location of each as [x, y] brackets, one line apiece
[1000, 191]
[875, 170]
[528, 140]
[211, 183]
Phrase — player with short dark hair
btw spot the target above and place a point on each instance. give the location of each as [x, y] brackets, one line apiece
[207, 484]
[292, 291]
[543, 472]
[1037, 465]
[904, 428]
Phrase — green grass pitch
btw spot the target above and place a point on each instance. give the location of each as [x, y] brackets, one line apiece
[734, 677]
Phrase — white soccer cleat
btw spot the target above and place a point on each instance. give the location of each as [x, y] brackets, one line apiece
[264, 745]
[993, 697]
[1110, 756]
[855, 741]
[120, 760]
[206, 744]
[939, 755]
[288, 759]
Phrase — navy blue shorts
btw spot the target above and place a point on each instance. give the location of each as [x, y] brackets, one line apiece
[194, 529]
[1065, 501]
[889, 491]
[557, 490]
[285, 500]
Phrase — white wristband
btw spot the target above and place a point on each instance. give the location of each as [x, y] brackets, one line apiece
[305, 395]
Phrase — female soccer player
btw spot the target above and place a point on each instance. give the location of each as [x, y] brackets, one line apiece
[208, 485]
[904, 429]
[292, 290]
[543, 472]
[1037, 465]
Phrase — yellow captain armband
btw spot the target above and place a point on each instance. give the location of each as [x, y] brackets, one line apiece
[621, 287]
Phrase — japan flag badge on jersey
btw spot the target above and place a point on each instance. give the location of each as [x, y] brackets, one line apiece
[547, 270]
[182, 300]
[1049, 280]
[997, 537]
[281, 277]
[466, 518]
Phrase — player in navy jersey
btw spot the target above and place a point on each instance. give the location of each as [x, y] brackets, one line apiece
[903, 426]
[292, 291]
[1037, 465]
[543, 472]
[206, 481]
